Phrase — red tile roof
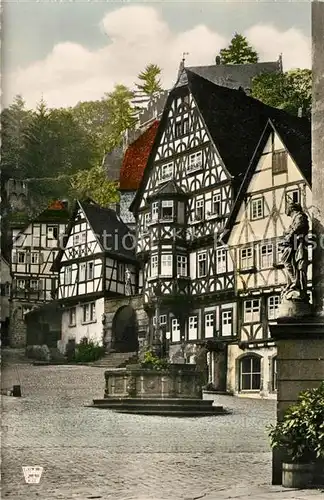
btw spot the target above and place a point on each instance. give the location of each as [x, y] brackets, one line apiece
[135, 159]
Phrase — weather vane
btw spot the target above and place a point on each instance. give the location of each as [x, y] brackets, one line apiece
[184, 54]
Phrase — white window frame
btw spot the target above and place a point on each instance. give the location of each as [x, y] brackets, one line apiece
[120, 271]
[273, 306]
[34, 258]
[221, 260]
[166, 264]
[154, 265]
[21, 257]
[72, 316]
[250, 373]
[146, 220]
[227, 322]
[253, 311]
[21, 284]
[195, 161]
[182, 265]
[50, 232]
[175, 330]
[36, 284]
[89, 313]
[266, 256]
[90, 274]
[166, 172]
[201, 257]
[76, 239]
[83, 271]
[193, 327]
[163, 319]
[167, 204]
[83, 237]
[216, 201]
[257, 208]
[155, 210]
[246, 258]
[209, 324]
[200, 209]
[68, 275]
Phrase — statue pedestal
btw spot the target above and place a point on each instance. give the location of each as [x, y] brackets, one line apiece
[293, 309]
[300, 345]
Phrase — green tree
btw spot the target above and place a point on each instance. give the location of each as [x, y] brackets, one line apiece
[151, 81]
[94, 184]
[122, 116]
[290, 91]
[239, 51]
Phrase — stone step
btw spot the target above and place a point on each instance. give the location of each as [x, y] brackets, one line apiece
[153, 401]
[115, 359]
[173, 413]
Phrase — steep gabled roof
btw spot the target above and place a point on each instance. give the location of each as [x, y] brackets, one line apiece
[234, 121]
[169, 189]
[296, 136]
[135, 159]
[113, 236]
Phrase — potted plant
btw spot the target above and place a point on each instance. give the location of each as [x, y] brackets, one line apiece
[300, 435]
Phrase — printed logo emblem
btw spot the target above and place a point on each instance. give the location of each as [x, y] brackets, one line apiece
[32, 474]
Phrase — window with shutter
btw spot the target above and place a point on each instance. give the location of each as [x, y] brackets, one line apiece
[279, 162]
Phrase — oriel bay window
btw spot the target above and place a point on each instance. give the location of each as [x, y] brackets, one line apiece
[182, 265]
[202, 264]
[266, 256]
[166, 265]
[250, 373]
[167, 210]
[252, 311]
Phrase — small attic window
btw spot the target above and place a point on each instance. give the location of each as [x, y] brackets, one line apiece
[279, 162]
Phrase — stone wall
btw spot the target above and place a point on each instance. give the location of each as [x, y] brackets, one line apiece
[17, 326]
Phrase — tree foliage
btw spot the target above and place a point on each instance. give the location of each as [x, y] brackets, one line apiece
[94, 184]
[151, 82]
[289, 91]
[239, 51]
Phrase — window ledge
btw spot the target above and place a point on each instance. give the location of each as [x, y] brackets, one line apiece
[194, 169]
[195, 222]
[88, 322]
[72, 326]
[248, 270]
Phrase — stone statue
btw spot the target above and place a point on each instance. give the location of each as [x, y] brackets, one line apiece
[202, 364]
[295, 254]
[128, 282]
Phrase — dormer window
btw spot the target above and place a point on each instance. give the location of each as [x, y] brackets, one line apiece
[167, 210]
[166, 172]
[195, 161]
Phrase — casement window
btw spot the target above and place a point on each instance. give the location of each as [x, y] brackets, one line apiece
[202, 264]
[90, 270]
[83, 237]
[175, 330]
[292, 196]
[120, 271]
[83, 269]
[155, 210]
[279, 162]
[22, 258]
[76, 239]
[221, 258]
[193, 327]
[195, 161]
[166, 265]
[182, 265]
[250, 373]
[273, 306]
[209, 325]
[167, 209]
[163, 320]
[185, 126]
[257, 211]
[52, 232]
[21, 284]
[181, 126]
[146, 220]
[154, 265]
[266, 257]
[72, 316]
[166, 172]
[279, 250]
[246, 258]
[89, 312]
[68, 275]
[216, 204]
[34, 284]
[34, 258]
[274, 374]
[199, 212]
[252, 311]
[227, 322]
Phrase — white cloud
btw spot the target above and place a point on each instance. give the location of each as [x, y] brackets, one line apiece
[136, 36]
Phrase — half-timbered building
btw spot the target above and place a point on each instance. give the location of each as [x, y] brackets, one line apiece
[33, 252]
[204, 143]
[5, 284]
[97, 263]
[278, 174]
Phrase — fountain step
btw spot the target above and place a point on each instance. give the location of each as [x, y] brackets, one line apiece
[169, 412]
[157, 401]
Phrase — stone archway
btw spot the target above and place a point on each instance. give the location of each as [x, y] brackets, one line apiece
[125, 330]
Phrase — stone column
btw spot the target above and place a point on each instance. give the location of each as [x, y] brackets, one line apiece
[300, 335]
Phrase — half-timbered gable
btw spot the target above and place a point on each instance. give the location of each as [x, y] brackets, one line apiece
[279, 173]
[97, 261]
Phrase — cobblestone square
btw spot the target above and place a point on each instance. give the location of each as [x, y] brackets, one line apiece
[89, 453]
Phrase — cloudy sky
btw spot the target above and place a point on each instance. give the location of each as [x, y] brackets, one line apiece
[72, 51]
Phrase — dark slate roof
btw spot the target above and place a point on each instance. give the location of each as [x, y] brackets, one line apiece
[235, 75]
[170, 188]
[113, 235]
[234, 120]
[295, 134]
